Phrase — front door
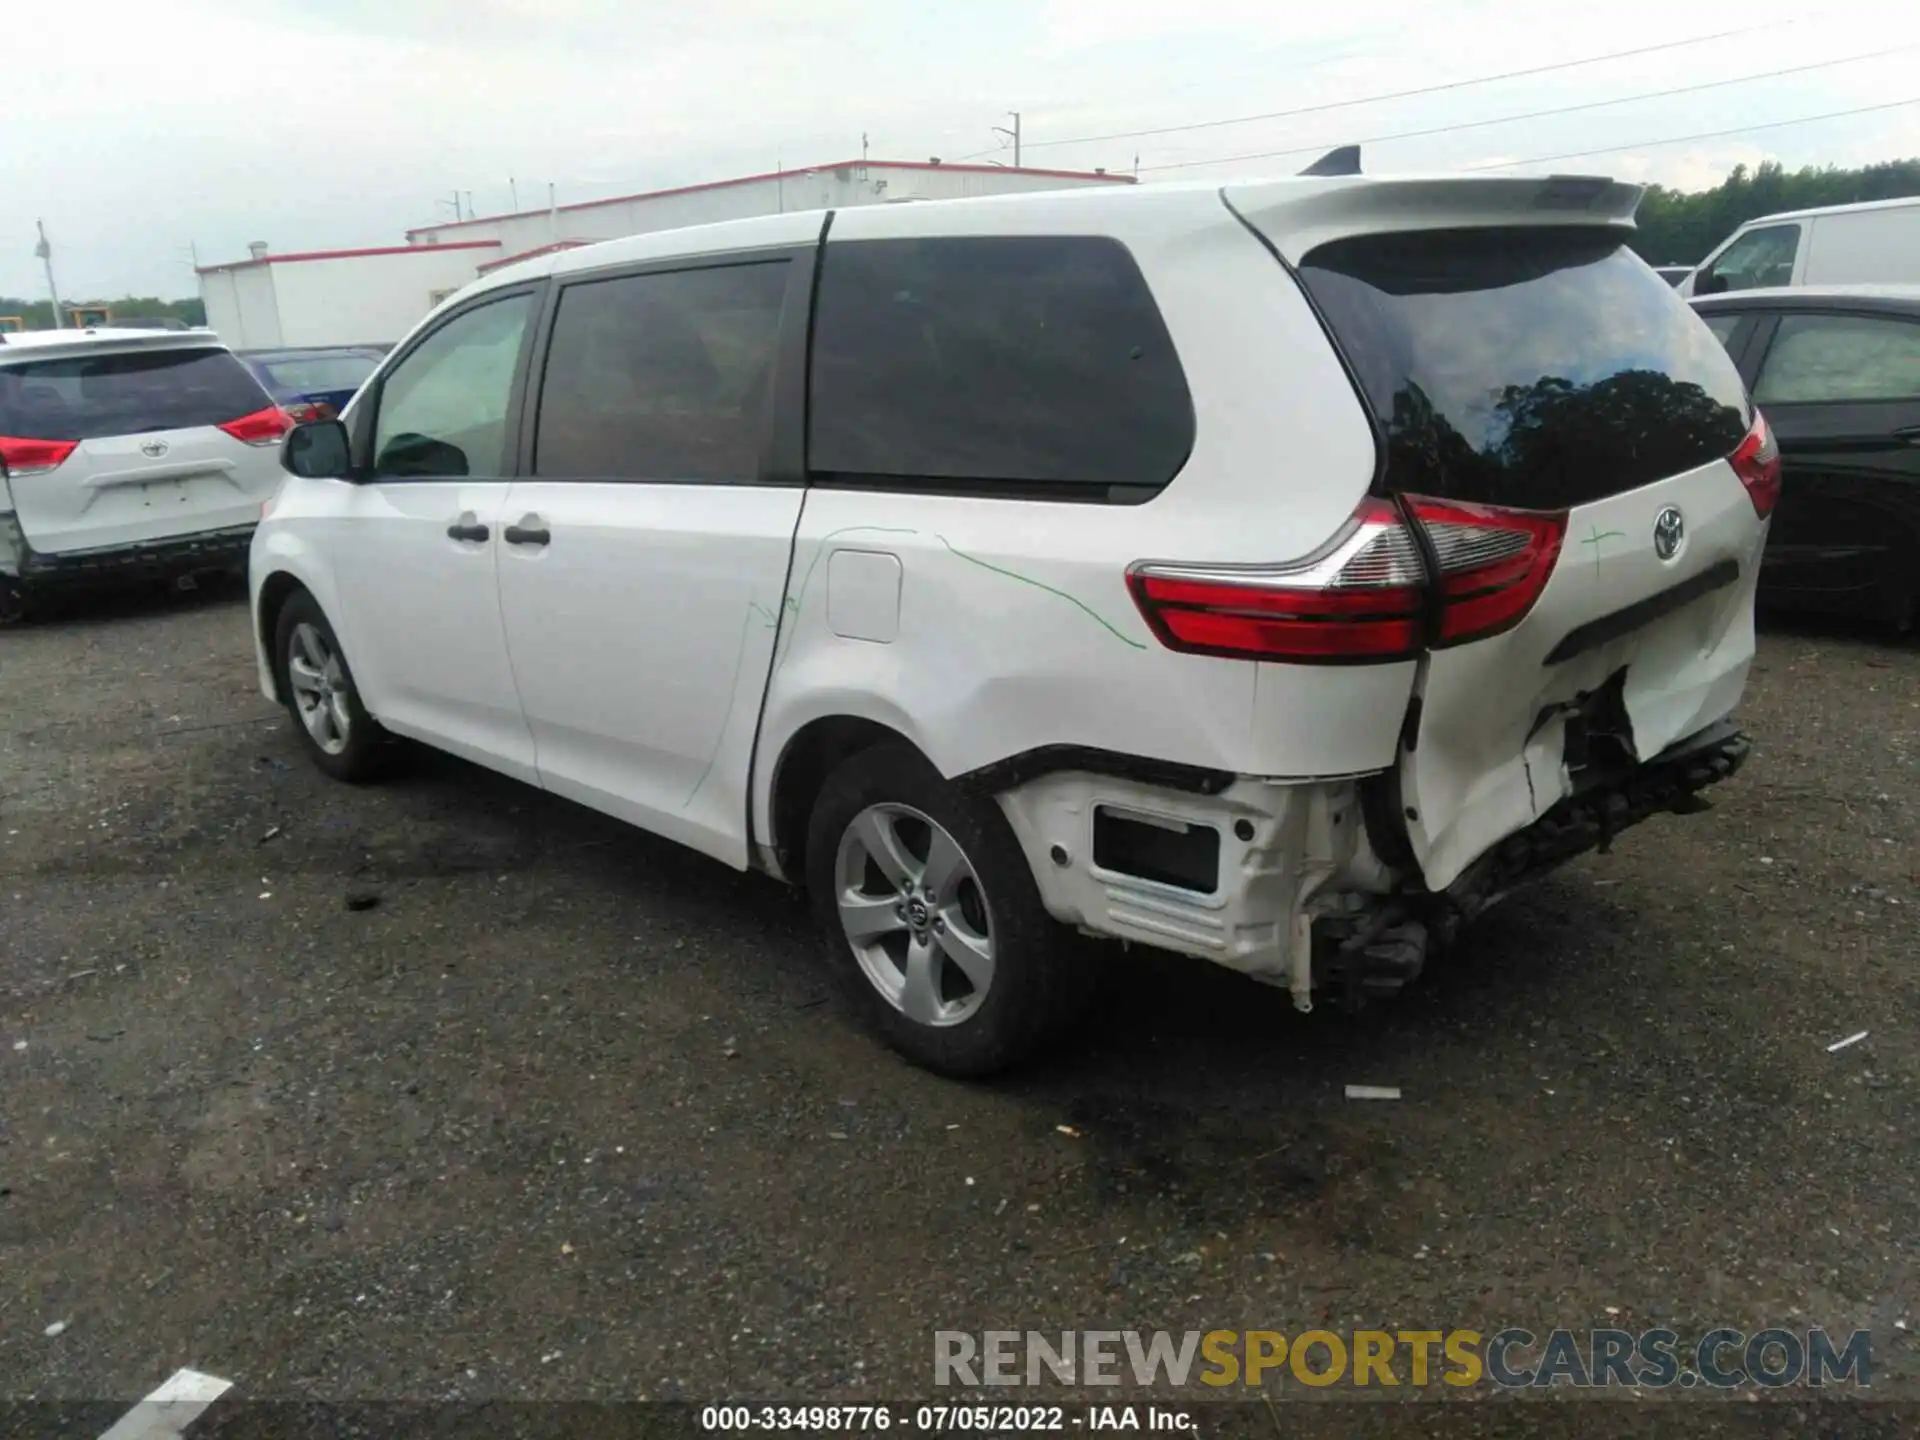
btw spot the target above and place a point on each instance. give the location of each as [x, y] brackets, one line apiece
[418, 550]
[1843, 394]
[646, 551]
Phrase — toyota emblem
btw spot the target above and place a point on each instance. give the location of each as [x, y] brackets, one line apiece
[1669, 533]
[153, 449]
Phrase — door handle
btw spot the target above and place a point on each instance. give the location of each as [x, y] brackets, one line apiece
[531, 530]
[467, 528]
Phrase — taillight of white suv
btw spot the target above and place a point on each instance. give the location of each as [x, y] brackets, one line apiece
[34, 457]
[1362, 597]
[262, 427]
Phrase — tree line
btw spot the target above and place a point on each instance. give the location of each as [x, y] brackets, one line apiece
[38, 314]
[1678, 227]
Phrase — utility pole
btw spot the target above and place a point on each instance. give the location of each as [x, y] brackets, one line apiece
[514, 190]
[45, 252]
[470, 211]
[863, 147]
[1013, 135]
[457, 217]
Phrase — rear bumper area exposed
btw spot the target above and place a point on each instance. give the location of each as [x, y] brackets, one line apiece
[1281, 882]
[114, 564]
[1373, 952]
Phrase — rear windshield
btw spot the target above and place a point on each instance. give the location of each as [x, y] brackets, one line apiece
[1536, 368]
[86, 397]
[309, 373]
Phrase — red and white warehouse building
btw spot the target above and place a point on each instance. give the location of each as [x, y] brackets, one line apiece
[375, 295]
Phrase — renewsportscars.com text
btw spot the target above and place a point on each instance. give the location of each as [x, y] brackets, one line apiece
[1511, 1358]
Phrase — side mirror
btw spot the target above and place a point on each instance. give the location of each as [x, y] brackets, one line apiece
[317, 450]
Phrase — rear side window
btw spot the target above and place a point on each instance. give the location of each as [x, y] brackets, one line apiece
[1840, 358]
[661, 377]
[88, 397]
[1019, 361]
[1541, 369]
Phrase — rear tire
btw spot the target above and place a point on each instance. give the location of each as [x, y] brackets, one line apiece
[16, 605]
[931, 919]
[317, 685]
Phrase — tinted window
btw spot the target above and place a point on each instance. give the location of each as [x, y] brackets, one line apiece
[661, 377]
[1535, 368]
[1757, 259]
[307, 373]
[1002, 359]
[1840, 357]
[86, 397]
[443, 408]
[1723, 326]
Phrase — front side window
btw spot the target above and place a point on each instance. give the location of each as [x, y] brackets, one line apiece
[661, 377]
[1012, 360]
[443, 409]
[1839, 358]
[1758, 259]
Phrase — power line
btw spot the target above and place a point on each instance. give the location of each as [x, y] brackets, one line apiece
[1703, 135]
[1541, 114]
[1409, 94]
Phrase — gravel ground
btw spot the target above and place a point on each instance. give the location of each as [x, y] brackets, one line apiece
[568, 1114]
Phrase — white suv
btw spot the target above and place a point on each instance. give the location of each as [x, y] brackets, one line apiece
[127, 453]
[1274, 574]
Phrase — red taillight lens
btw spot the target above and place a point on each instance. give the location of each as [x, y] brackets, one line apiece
[1757, 463]
[35, 457]
[1494, 563]
[300, 412]
[1363, 596]
[262, 427]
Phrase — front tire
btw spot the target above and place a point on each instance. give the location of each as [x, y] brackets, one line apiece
[333, 727]
[932, 921]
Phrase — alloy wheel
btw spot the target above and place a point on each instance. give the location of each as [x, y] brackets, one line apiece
[320, 687]
[915, 914]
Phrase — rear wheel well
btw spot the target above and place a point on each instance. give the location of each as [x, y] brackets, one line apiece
[275, 591]
[810, 757]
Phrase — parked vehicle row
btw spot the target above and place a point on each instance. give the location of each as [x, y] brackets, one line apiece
[1276, 574]
[1837, 369]
[136, 453]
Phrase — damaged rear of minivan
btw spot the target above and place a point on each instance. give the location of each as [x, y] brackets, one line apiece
[1559, 549]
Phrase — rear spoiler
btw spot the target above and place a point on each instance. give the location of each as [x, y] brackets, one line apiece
[1302, 213]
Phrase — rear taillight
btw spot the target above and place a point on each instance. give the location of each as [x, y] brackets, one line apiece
[1757, 463]
[35, 457]
[262, 427]
[1362, 597]
[302, 412]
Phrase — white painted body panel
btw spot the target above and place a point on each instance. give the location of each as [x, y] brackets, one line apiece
[109, 493]
[1486, 763]
[640, 638]
[420, 612]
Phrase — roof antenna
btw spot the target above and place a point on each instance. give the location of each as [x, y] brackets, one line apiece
[1344, 161]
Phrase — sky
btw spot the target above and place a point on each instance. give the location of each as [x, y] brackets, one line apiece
[155, 130]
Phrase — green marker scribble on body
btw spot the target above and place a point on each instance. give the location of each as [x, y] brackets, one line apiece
[770, 620]
[1082, 605]
[1594, 538]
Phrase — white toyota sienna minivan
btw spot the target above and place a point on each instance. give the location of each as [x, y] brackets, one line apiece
[1274, 574]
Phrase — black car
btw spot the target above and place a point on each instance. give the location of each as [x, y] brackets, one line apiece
[1836, 370]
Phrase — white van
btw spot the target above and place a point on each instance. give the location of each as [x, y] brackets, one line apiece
[1876, 243]
[1274, 574]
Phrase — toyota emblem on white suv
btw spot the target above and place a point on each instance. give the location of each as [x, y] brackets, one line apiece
[1669, 529]
[153, 449]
